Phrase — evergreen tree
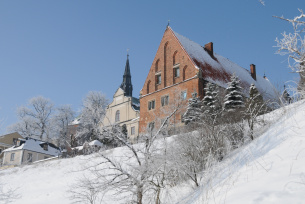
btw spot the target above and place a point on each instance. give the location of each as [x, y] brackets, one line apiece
[193, 111]
[210, 100]
[233, 99]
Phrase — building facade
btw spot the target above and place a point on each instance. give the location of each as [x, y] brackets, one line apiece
[182, 67]
[7, 141]
[124, 109]
[29, 150]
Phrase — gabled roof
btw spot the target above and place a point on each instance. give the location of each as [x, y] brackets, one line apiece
[35, 146]
[218, 69]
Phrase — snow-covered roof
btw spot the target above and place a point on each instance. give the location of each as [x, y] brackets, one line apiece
[35, 146]
[96, 142]
[76, 121]
[136, 103]
[218, 69]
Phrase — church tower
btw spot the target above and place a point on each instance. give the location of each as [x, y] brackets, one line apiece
[126, 84]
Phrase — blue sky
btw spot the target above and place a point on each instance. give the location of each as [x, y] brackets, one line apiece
[63, 49]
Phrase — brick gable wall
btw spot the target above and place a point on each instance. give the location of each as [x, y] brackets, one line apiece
[169, 54]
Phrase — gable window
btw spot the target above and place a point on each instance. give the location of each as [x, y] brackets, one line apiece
[176, 71]
[183, 95]
[12, 156]
[151, 105]
[30, 156]
[132, 130]
[117, 116]
[164, 100]
[158, 79]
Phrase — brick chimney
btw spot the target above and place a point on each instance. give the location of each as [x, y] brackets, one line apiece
[209, 48]
[253, 71]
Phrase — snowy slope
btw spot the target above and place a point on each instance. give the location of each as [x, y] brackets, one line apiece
[269, 170]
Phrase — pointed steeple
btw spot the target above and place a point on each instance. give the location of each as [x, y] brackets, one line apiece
[126, 84]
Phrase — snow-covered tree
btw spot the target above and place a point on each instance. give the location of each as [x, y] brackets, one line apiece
[193, 112]
[286, 96]
[233, 99]
[210, 100]
[293, 45]
[61, 119]
[255, 106]
[34, 119]
[142, 170]
[92, 115]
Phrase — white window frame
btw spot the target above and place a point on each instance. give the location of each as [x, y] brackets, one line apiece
[133, 130]
[12, 157]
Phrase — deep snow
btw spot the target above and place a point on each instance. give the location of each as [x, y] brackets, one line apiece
[271, 169]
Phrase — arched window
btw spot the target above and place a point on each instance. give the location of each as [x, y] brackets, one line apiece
[157, 66]
[148, 84]
[165, 56]
[184, 72]
[174, 58]
[117, 116]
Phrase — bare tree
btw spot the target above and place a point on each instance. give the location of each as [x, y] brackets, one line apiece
[92, 115]
[255, 106]
[8, 195]
[85, 191]
[139, 171]
[34, 119]
[61, 119]
[293, 45]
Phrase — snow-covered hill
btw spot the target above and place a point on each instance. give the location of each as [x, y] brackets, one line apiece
[271, 169]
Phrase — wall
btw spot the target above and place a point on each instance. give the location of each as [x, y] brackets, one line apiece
[169, 54]
[128, 115]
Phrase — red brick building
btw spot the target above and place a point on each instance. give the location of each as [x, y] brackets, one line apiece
[182, 67]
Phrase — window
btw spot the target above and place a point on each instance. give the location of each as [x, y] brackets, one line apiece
[176, 71]
[151, 105]
[15, 141]
[183, 95]
[164, 100]
[158, 79]
[117, 116]
[45, 157]
[132, 130]
[151, 126]
[12, 156]
[0, 151]
[30, 156]
[148, 84]
[45, 147]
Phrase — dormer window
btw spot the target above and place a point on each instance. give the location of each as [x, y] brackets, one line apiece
[45, 147]
[177, 70]
[15, 141]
